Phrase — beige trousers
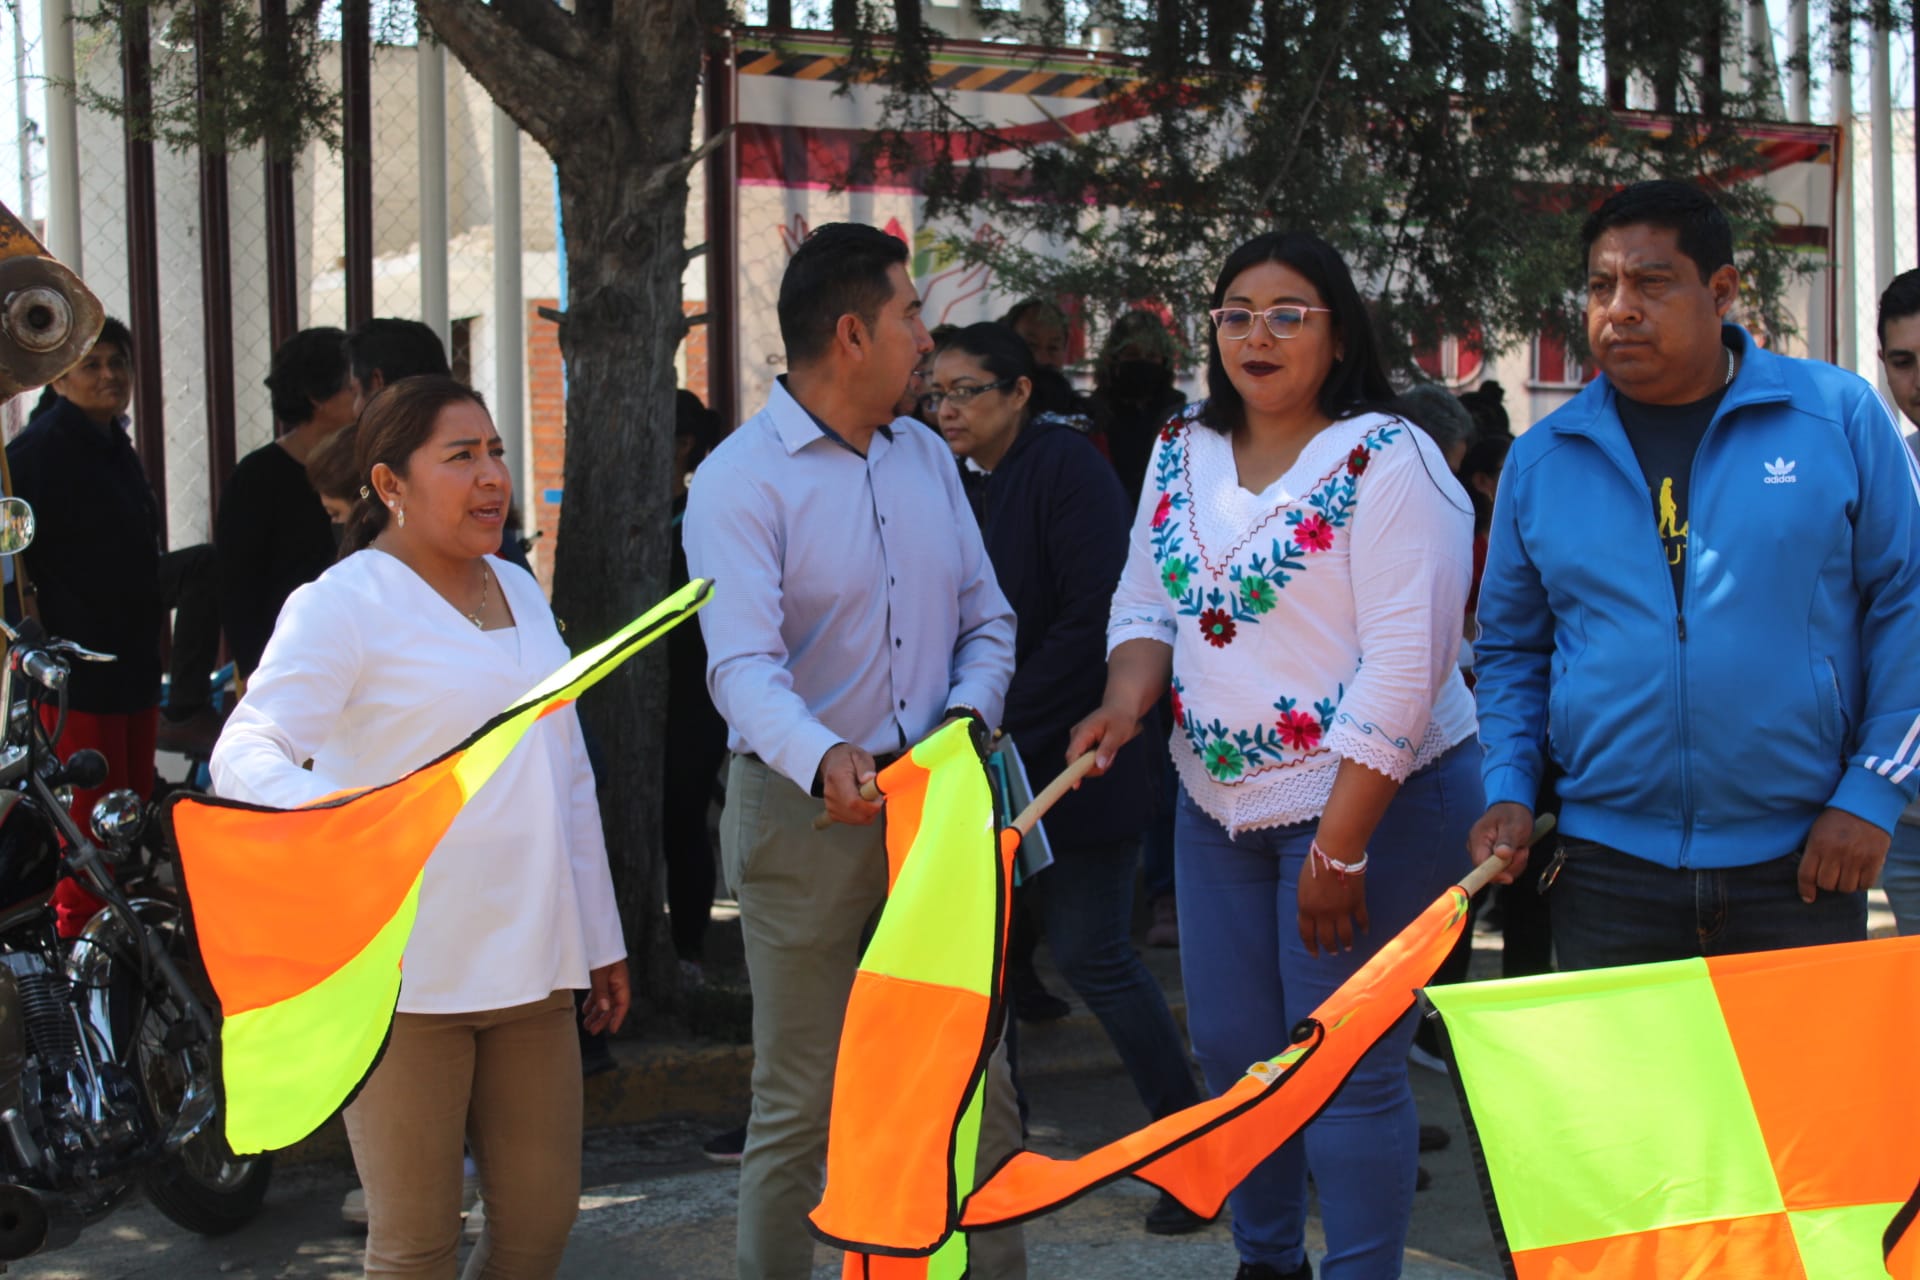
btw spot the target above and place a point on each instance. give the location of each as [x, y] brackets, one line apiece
[807, 901]
[506, 1081]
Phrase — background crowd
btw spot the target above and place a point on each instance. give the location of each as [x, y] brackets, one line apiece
[1329, 643]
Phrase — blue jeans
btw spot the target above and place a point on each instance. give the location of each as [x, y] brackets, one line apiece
[1901, 878]
[1611, 908]
[1085, 904]
[1156, 842]
[1249, 979]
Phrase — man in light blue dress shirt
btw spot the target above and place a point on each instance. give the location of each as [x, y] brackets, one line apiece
[854, 608]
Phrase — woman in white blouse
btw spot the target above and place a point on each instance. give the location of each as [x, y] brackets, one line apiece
[1298, 569]
[397, 653]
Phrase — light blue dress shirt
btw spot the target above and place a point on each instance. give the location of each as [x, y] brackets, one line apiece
[853, 600]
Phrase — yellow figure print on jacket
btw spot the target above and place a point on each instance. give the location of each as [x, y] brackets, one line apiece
[1673, 535]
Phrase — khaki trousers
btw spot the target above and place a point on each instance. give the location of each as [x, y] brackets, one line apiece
[807, 901]
[508, 1083]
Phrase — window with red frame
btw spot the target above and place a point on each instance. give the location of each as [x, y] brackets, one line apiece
[1555, 364]
[1456, 361]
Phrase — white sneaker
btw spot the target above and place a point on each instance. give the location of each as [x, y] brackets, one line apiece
[476, 1220]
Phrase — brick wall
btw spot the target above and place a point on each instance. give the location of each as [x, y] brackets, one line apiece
[547, 420]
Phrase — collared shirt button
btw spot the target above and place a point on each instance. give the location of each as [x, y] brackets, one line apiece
[897, 642]
[903, 704]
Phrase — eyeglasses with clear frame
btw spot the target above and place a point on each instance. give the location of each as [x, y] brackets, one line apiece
[962, 396]
[1284, 321]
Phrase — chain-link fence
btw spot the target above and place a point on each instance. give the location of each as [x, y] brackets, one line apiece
[477, 340]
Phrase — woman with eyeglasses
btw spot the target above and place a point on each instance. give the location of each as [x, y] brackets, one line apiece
[1055, 525]
[1298, 567]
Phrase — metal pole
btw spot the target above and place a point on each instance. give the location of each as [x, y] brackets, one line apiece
[283, 244]
[356, 71]
[216, 275]
[1881, 76]
[143, 261]
[27, 139]
[1799, 75]
[63, 136]
[1843, 238]
[431, 59]
[723, 385]
[509, 304]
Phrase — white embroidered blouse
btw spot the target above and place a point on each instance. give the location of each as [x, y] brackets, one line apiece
[1316, 621]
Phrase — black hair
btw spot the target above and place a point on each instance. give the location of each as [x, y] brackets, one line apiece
[309, 367]
[1691, 214]
[841, 269]
[692, 419]
[1485, 456]
[1356, 380]
[1005, 354]
[112, 333]
[398, 349]
[1901, 300]
[394, 424]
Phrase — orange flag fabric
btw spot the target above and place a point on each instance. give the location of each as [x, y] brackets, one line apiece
[301, 916]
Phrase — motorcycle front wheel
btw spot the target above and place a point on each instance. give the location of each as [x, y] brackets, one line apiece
[203, 1186]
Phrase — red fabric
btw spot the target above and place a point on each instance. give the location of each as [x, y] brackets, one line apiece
[127, 741]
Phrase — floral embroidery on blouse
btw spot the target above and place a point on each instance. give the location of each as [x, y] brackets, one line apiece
[1252, 588]
[1229, 753]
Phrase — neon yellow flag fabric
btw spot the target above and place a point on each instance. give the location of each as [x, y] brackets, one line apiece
[910, 1085]
[1720, 1119]
[301, 916]
[925, 1013]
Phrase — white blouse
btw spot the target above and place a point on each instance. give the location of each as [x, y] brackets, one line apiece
[1315, 621]
[370, 674]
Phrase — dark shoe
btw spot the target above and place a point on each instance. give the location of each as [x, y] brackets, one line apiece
[1422, 1179]
[1165, 929]
[1171, 1218]
[725, 1148]
[1260, 1271]
[1434, 1138]
[1037, 1004]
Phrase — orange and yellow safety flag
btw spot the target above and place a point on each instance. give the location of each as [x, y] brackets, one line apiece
[1733, 1117]
[910, 1085]
[925, 1015]
[301, 916]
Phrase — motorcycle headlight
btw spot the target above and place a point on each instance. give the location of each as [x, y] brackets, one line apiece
[116, 819]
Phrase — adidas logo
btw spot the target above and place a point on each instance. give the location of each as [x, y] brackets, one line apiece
[1780, 471]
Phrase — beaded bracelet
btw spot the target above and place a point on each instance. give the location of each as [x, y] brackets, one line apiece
[1317, 857]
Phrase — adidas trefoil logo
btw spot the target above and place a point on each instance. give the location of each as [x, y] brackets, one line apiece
[1780, 471]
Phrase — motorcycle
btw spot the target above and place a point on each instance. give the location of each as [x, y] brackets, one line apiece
[107, 1071]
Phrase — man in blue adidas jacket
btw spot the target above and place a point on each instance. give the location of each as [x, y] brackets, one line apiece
[1702, 598]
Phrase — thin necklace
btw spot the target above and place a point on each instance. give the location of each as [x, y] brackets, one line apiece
[486, 580]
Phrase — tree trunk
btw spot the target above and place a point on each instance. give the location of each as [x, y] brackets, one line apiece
[609, 93]
[623, 326]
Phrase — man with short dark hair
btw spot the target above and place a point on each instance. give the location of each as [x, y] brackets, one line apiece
[272, 534]
[1702, 598]
[386, 349]
[1899, 329]
[856, 610]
